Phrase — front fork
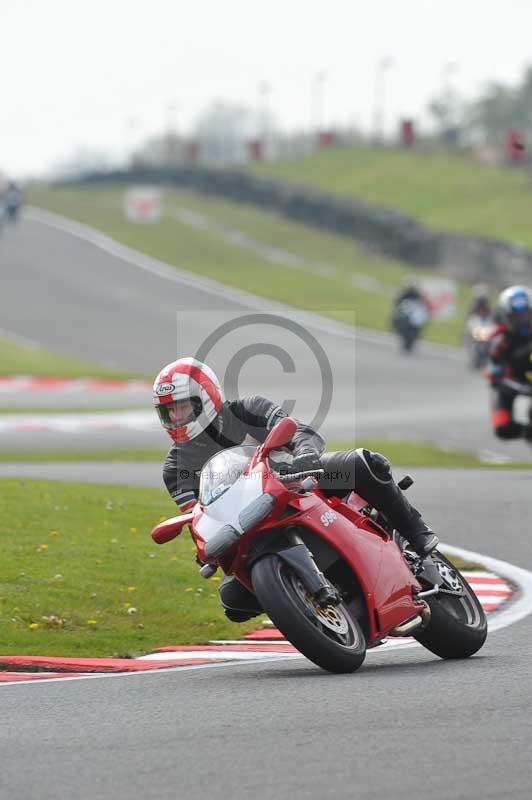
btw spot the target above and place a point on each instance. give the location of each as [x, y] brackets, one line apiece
[300, 559]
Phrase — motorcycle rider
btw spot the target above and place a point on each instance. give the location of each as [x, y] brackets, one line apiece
[13, 200]
[477, 326]
[412, 293]
[191, 407]
[509, 347]
[480, 304]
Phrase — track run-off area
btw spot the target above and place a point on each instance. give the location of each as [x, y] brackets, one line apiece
[407, 723]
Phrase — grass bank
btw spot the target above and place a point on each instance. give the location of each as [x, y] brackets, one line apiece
[81, 576]
[77, 559]
[444, 191]
[22, 359]
[257, 251]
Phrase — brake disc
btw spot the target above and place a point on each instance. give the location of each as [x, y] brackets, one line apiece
[330, 616]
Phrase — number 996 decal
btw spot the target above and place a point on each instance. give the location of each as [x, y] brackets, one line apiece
[328, 517]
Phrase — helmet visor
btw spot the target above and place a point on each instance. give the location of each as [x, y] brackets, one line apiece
[179, 413]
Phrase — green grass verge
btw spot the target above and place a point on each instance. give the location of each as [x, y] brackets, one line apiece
[400, 453]
[79, 559]
[207, 252]
[67, 455]
[493, 201]
[76, 557]
[20, 359]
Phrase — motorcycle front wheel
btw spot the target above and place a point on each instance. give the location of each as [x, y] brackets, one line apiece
[329, 636]
[458, 627]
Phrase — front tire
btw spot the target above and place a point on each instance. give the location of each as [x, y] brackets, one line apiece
[458, 627]
[330, 637]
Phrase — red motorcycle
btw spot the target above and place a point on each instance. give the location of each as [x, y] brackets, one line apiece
[330, 574]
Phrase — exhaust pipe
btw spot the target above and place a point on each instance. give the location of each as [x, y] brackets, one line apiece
[412, 625]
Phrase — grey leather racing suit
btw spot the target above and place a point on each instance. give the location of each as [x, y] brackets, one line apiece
[252, 416]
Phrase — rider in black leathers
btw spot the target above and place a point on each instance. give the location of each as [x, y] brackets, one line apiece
[510, 356]
[190, 404]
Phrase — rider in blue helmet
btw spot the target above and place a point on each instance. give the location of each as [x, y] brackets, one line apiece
[510, 353]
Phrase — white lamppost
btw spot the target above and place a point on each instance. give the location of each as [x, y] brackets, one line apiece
[382, 68]
[317, 101]
[264, 91]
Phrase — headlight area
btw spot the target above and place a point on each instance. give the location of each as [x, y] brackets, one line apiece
[250, 516]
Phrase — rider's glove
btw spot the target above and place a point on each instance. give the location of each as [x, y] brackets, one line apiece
[306, 461]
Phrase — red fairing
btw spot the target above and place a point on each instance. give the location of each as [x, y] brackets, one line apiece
[170, 528]
[373, 557]
[377, 564]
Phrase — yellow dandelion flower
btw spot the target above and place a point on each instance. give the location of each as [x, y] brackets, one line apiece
[132, 588]
[132, 530]
[189, 589]
[33, 625]
[216, 579]
[43, 547]
[92, 622]
[126, 605]
[54, 533]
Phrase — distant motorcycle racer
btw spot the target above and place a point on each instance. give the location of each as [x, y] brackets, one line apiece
[510, 357]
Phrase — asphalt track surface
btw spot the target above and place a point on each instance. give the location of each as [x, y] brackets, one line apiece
[100, 302]
[406, 724]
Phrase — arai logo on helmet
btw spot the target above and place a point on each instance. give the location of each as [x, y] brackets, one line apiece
[165, 388]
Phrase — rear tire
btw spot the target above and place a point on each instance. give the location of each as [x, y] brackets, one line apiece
[330, 637]
[458, 626]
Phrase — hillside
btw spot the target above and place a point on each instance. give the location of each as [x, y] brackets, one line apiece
[258, 251]
[445, 192]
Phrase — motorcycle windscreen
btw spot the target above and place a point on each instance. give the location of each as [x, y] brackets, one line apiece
[222, 471]
[226, 508]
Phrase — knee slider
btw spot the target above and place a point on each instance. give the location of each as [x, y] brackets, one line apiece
[377, 464]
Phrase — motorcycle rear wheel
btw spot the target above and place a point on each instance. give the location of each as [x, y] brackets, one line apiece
[458, 627]
[330, 637]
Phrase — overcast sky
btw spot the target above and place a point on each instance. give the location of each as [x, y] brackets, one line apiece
[106, 73]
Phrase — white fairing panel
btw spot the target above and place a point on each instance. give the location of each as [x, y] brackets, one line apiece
[226, 509]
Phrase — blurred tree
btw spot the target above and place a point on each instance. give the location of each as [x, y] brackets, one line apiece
[224, 129]
[487, 118]
[446, 109]
[490, 116]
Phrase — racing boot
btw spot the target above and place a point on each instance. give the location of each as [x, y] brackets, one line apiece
[374, 482]
[239, 603]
